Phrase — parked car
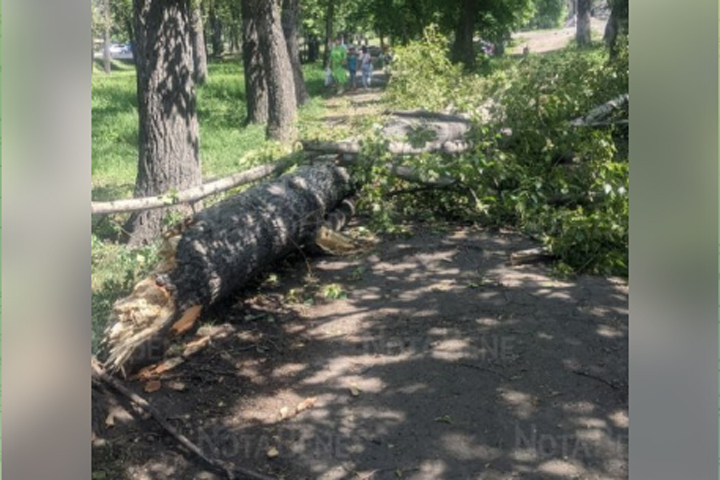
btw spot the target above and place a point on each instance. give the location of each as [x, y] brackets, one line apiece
[121, 51]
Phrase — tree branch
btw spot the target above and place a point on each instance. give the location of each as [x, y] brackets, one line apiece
[192, 194]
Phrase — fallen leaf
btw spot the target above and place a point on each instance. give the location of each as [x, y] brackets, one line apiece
[305, 404]
[354, 391]
[153, 386]
[272, 452]
[177, 386]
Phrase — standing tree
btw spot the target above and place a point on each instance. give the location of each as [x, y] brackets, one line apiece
[282, 107]
[107, 24]
[582, 35]
[216, 26]
[290, 24]
[329, 15]
[463, 47]
[168, 127]
[197, 34]
[256, 94]
[617, 24]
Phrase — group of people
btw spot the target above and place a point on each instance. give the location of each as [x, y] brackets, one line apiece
[345, 64]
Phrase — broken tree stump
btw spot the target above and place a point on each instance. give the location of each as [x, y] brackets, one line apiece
[217, 252]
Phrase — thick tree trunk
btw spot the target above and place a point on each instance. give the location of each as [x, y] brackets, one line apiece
[582, 35]
[290, 24]
[215, 254]
[329, 14]
[282, 108]
[198, 42]
[617, 24]
[217, 38]
[168, 126]
[463, 48]
[106, 37]
[256, 94]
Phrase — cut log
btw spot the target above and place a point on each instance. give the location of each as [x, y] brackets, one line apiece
[220, 249]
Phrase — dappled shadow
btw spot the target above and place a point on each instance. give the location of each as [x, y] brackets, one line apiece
[442, 363]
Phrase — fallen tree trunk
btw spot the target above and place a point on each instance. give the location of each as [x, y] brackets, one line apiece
[192, 194]
[219, 250]
[396, 148]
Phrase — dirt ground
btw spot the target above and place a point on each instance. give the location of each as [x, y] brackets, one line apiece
[426, 357]
[442, 362]
[542, 41]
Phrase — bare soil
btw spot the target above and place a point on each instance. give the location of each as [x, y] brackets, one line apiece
[443, 362]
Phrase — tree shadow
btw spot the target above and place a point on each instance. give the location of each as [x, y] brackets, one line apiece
[443, 362]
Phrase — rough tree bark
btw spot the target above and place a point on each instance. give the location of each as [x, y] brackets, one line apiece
[200, 71]
[282, 108]
[217, 38]
[168, 127]
[582, 34]
[106, 36]
[463, 48]
[290, 24]
[256, 94]
[215, 254]
[617, 24]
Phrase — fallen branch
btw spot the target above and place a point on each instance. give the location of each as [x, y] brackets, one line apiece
[599, 113]
[192, 194]
[99, 374]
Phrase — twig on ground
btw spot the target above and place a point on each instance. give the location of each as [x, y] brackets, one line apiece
[484, 369]
[99, 374]
[595, 377]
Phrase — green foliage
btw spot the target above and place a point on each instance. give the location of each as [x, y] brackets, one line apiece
[529, 169]
[422, 73]
[548, 14]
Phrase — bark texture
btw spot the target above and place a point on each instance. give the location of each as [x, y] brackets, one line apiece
[290, 24]
[168, 126]
[582, 35]
[282, 108]
[198, 41]
[463, 48]
[217, 252]
[256, 95]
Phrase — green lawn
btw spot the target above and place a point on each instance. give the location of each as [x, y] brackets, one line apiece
[221, 110]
